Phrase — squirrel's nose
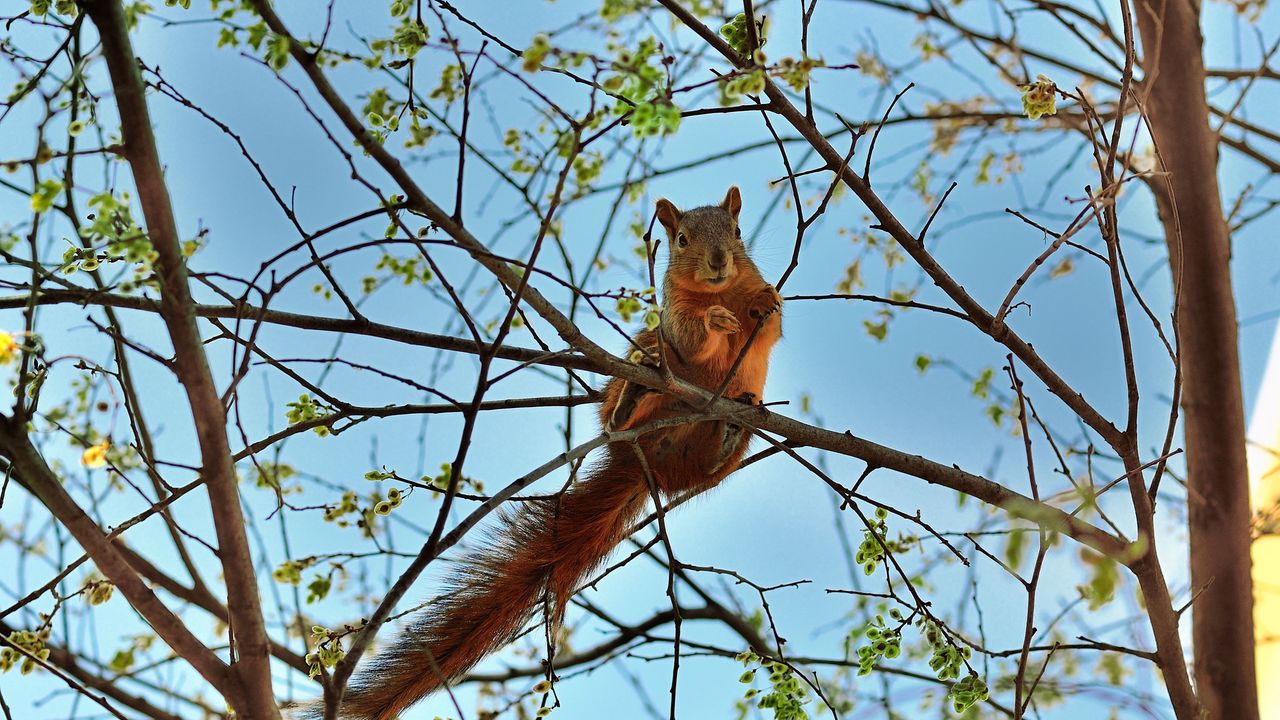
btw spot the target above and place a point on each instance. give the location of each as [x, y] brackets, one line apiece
[718, 260]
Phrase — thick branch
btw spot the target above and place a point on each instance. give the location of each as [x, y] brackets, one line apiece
[312, 322]
[1200, 254]
[250, 641]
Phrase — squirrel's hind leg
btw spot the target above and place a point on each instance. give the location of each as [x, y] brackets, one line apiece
[631, 394]
[734, 437]
[625, 410]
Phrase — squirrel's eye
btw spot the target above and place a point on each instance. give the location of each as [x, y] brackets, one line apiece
[682, 240]
[737, 232]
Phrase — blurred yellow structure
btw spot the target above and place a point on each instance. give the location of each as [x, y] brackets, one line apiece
[1264, 472]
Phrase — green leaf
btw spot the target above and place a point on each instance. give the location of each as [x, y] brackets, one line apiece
[982, 385]
[735, 32]
[227, 37]
[121, 661]
[278, 52]
[532, 57]
[257, 33]
[923, 362]
[46, 192]
[318, 588]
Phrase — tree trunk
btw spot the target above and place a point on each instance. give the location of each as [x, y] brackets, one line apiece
[250, 643]
[1213, 410]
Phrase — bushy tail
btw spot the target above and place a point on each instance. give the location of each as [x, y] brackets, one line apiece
[543, 551]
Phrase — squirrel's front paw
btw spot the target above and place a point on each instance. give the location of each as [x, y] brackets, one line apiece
[766, 302]
[721, 319]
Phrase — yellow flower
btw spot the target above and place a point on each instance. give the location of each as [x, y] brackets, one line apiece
[95, 456]
[8, 347]
[1040, 98]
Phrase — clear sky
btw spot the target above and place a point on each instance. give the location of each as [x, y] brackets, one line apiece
[772, 522]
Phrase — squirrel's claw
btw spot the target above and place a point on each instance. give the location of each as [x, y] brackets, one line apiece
[767, 302]
[722, 319]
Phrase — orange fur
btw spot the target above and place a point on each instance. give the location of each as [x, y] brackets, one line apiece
[542, 552]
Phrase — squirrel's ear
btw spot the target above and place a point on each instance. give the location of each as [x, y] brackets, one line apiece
[732, 202]
[669, 215]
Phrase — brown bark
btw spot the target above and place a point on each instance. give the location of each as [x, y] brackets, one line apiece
[1213, 407]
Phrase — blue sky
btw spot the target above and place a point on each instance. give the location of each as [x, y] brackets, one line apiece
[772, 522]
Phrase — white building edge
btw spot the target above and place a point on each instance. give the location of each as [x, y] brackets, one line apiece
[1264, 479]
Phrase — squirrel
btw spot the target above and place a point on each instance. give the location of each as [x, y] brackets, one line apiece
[714, 298]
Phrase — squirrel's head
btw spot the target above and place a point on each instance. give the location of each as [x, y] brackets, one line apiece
[706, 243]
